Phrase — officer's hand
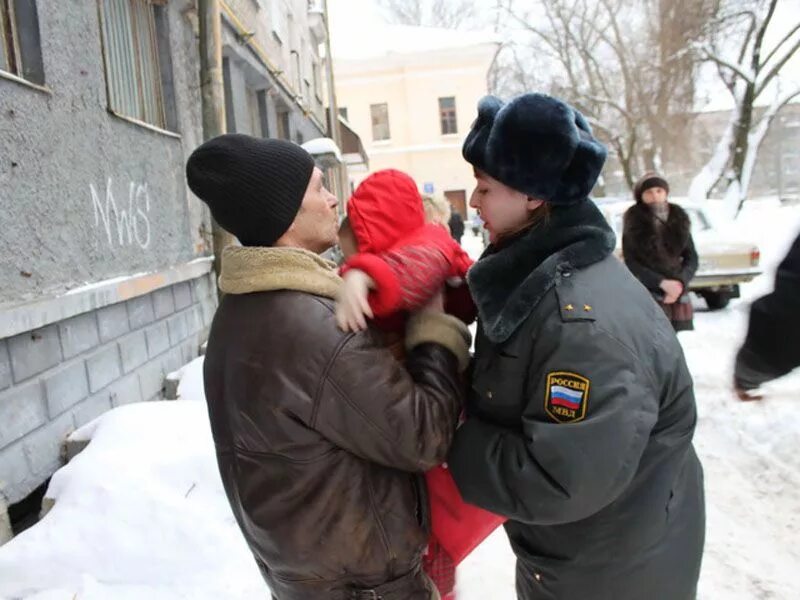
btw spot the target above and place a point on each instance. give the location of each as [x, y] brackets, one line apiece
[352, 305]
[672, 290]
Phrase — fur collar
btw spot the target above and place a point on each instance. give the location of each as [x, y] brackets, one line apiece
[509, 281]
[657, 246]
[256, 269]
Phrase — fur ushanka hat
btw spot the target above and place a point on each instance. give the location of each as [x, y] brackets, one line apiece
[537, 145]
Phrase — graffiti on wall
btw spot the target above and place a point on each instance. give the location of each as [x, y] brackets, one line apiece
[126, 223]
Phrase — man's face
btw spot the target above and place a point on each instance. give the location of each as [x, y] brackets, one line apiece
[316, 225]
[654, 195]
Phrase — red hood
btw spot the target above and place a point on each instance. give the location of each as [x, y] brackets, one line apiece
[383, 209]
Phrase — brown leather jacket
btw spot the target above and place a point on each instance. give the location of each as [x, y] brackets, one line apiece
[320, 435]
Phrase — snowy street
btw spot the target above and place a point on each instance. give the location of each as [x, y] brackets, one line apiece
[141, 513]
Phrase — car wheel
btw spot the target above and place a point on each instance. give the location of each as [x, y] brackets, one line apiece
[717, 300]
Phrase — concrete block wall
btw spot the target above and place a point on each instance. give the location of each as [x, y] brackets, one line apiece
[59, 377]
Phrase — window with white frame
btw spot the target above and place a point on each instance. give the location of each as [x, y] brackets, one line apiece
[297, 73]
[284, 126]
[380, 121]
[134, 47]
[277, 17]
[20, 45]
[315, 69]
[447, 115]
[308, 71]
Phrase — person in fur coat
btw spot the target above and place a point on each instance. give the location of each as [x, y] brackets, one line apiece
[581, 409]
[658, 248]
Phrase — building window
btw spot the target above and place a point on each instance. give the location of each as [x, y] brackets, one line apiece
[256, 112]
[134, 38]
[230, 117]
[447, 115]
[317, 81]
[20, 47]
[262, 113]
[284, 129]
[343, 112]
[278, 18]
[380, 121]
[297, 73]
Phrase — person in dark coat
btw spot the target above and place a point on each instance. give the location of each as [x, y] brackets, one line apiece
[321, 435]
[772, 346]
[581, 413]
[658, 248]
[456, 224]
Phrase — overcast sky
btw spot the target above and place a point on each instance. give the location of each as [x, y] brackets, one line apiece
[355, 30]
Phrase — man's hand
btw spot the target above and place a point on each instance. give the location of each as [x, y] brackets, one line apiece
[352, 305]
[672, 290]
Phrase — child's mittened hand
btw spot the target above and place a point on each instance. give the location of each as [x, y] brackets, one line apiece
[352, 305]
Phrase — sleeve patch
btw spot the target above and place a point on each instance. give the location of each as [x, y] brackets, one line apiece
[566, 396]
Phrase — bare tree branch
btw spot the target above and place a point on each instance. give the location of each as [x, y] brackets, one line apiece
[777, 47]
[759, 40]
[449, 14]
[722, 62]
[750, 31]
[776, 68]
[403, 12]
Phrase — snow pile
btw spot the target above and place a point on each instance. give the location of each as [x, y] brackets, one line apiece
[191, 381]
[140, 513]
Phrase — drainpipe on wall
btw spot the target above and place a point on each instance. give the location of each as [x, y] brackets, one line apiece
[213, 96]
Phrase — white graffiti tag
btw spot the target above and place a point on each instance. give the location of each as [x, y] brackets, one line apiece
[131, 224]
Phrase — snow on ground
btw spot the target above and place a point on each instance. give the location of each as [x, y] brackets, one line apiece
[141, 512]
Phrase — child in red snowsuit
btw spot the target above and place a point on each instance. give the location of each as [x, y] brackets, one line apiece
[395, 263]
[406, 259]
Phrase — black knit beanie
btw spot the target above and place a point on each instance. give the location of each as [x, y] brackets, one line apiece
[253, 186]
[647, 181]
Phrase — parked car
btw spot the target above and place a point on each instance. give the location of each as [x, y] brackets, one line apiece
[725, 263]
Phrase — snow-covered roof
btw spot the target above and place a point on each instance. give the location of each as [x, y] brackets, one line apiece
[322, 145]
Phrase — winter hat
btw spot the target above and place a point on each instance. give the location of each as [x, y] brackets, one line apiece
[253, 186]
[385, 207]
[647, 181]
[536, 144]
